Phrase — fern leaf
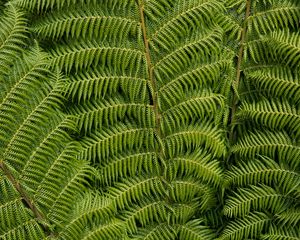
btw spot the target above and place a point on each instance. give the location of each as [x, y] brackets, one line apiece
[177, 60]
[13, 37]
[103, 145]
[91, 210]
[128, 165]
[170, 27]
[194, 230]
[132, 190]
[282, 14]
[249, 227]
[283, 233]
[98, 83]
[144, 214]
[200, 165]
[265, 171]
[84, 54]
[268, 143]
[196, 136]
[196, 106]
[161, 231]
[276, 82]
[255, 198]
[96, 114]
[199, 76]
[273, 114]
[89, 23]
[290, 217]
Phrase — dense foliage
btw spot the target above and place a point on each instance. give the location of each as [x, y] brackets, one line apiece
[149, 119]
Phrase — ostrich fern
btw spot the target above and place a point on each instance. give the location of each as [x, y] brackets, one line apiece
[185, 114]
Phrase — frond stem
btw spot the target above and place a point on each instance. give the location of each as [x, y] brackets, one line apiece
[36, 212]
[150, 71]
[238, 71]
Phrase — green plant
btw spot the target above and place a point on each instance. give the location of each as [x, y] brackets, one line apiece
[180, 118]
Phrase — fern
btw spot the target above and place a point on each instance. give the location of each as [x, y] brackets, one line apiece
[251, 226]
[40, 174]
[149, 119]
[264, 131]
[139, 85]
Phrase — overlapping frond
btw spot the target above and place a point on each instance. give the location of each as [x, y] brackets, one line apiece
[84, 54]
[196, 136]
[144, 214]
[198, 164]
[40, 175]
[264, 131]
[249, 227]
[145, 82]
[274, 114]
[13, 27]
[290, 217]
[278, 81]
[255, 198]
[265, 171]
[148, 87]
[270, 144]
[281, 233]
[88, 22]
[194, 230]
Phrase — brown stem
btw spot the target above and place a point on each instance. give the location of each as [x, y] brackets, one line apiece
[238, 71]
[36, 212]
[150, 71]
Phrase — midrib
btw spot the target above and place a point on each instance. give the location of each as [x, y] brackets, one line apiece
[236, 82]
[151, 79]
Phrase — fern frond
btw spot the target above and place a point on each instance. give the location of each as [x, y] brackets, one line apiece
[180, 213]
[270, 144]
[195, 230]
[273, 114]
[281, 233]
[112, 230]
[43, 5]
[132, 190]
[198, 164]
[13, 36]
[179, 58]
[178, 23]
[197, 105]
[286, 45]
[144, 214]
[249, 227]
[93, 115]
[281, 46]
[202, 75]
[100, 82]
[196, 136]
[110, 141]
[231, 26]
[264, 170]
[16, 221]
[255, 198]
[187, 190]
[282, 14]
[290, 217]
[84, 54]
[92, 210]
[276, 81]
[128, 165]
[89, 23]
[28, 74]
[162, 231]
